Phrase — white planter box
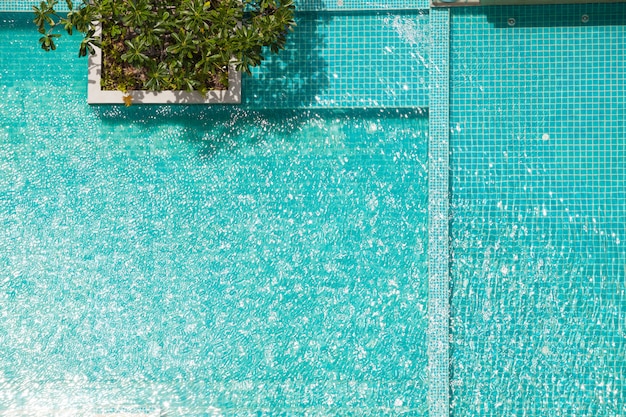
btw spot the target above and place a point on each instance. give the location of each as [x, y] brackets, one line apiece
[95, 94]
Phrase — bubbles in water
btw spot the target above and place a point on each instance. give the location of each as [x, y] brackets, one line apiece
[372, 127]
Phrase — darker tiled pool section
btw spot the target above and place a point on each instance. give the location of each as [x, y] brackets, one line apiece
[347, 60]
[364, 56]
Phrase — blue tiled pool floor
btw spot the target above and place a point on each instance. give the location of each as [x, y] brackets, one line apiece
[293, 255]
[225, 261]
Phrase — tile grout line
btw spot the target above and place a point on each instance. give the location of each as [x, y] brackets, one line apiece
[438, 342]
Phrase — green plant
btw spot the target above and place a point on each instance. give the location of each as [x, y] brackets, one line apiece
[171, 44]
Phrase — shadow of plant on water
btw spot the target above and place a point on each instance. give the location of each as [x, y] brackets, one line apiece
[279, 100]
[295, 76]
[298, 74]
[289, 81]
[226, 129]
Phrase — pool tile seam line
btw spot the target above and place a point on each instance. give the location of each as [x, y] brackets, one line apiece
[438, 342]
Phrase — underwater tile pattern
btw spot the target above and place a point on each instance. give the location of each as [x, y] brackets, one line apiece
[338, 60]
[438, 218]
[26, 5]
[538, 265]
[344, 60]
[353, 5]
[205, 261]
[538, 231]
[301, 5]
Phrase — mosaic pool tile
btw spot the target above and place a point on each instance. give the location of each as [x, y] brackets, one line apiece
[538, 141]
[341, 60]
[438, 202]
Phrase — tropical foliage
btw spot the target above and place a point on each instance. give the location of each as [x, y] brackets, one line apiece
[171, 44]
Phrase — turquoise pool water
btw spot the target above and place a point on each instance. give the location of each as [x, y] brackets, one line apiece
[538, 211]
[275, 258]
[205, 261]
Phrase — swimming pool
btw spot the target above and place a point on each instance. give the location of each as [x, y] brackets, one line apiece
[275, 258]
[539, 197]
[206, 261]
